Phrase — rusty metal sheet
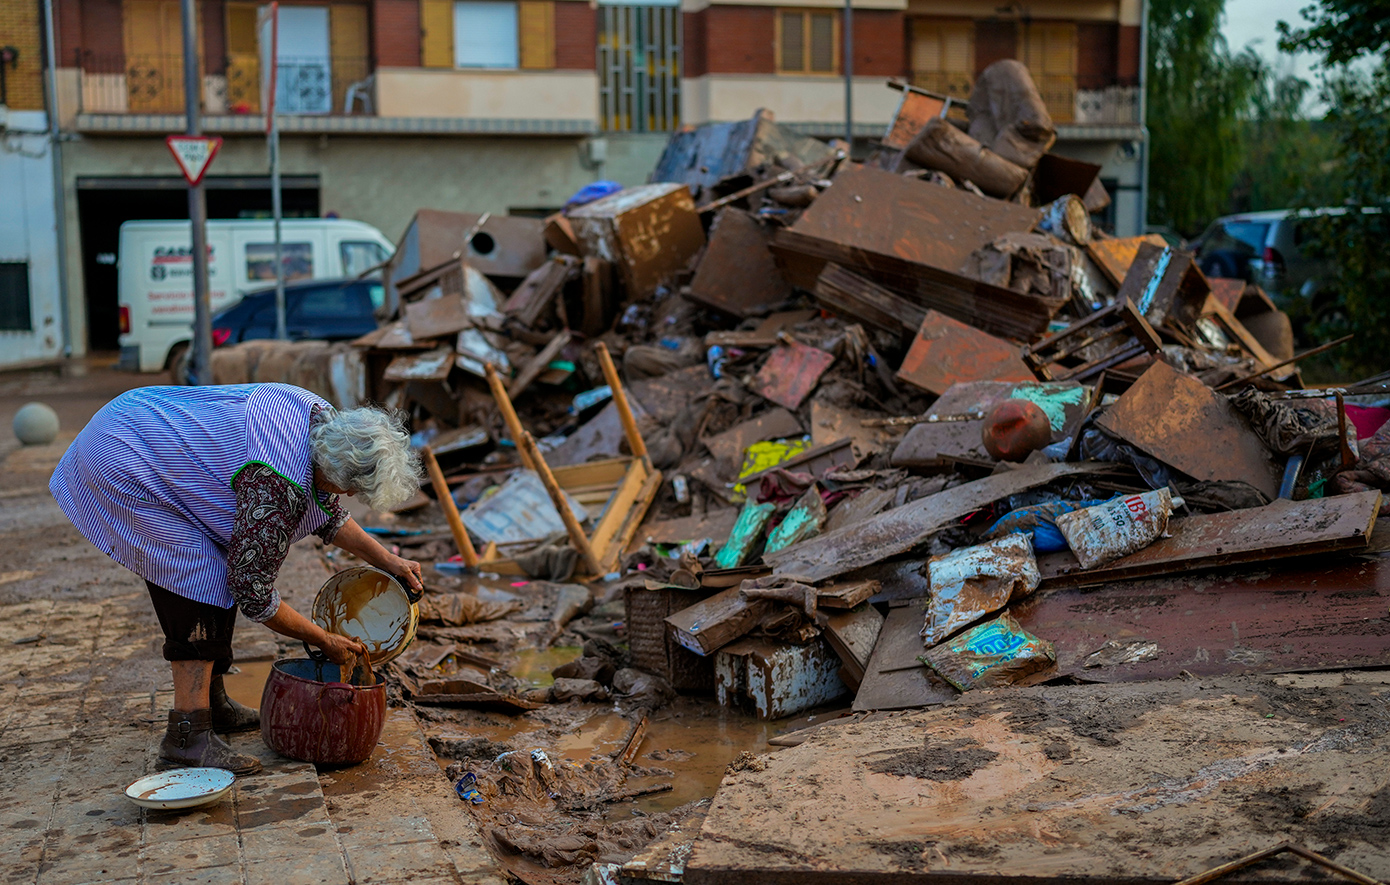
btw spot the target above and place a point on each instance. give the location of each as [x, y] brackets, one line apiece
[791, 372]
[530, 300]
[1114, 256]
[913, 238]
[1282, 529]
[900, 688]
[432, 366]
[1315, 613]
[914, 110]
[1056, 176]
[1183, 423]
[947, 352]
[856, 298]
[1227, 291]
[714, 152]
[436, 317]
[738, 274]
[903, 528]
[648, 232]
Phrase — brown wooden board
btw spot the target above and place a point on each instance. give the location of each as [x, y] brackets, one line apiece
[729, 446]
[737, 274]
[1260, 534]
[715, 525]
[850, 511]
[538, 364]
[1311, 613]
[900, 643]
[845, 594]
[947, 352]
[831, 423]
[432, 366]
[1143, 783]
[436, 317]
[1114, 256]
[931, 444]
[903, 528]
[1182, 422]
[530, 300]
[707, 626]
[852, 635]
[791, 372]
[900, 688]
[850, 295]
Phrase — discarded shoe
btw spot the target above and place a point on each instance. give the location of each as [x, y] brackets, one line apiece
[228, 715]
[190, 741]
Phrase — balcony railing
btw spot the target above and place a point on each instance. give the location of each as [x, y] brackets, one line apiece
[128, 84]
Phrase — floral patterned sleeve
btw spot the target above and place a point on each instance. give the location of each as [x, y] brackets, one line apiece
[338, 515]
[268, 509]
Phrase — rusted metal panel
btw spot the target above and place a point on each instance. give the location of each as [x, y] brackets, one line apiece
[436, 317]
[728, 446]
[1182, 422]
[776, 680]
[1315, 613]
[914, 237]
[791, 372]
[1282, 529]
[1165, 286]
[1057, 176]
[648, 232]
[914, 110]
[890, 685]
[947, 352]
[903, 528]
[853, 634]
[530, 300]
[1114, 256]
[738, 274]
[861, 300]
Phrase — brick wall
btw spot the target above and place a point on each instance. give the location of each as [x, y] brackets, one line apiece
[395, 29]
[880, 43]
[576, 35]
[740, 39]
[19, 22]
[696, 37]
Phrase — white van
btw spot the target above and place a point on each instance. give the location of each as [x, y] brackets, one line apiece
[155, 273]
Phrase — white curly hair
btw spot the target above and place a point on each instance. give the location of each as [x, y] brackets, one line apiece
[366, 451]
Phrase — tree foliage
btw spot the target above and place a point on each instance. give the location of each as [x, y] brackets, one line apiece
[1286, 156]
[1198, 94]
[1340, 30]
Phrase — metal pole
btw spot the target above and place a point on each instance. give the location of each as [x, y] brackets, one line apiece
[1143, 116]
[849, 75]
[276, 207]
[60, 202]
[197, 204]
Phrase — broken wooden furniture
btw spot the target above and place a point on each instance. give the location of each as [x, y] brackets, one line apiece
[631, 483]
[1107, 338]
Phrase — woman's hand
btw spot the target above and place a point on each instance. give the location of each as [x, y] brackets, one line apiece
[340, 649]
[407, 570]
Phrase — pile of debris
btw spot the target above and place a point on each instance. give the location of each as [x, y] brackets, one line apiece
[870, 428]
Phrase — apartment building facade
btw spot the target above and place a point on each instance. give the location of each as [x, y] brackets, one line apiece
[511, 105]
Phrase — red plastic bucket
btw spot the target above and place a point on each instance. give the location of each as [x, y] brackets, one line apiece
[309, 714]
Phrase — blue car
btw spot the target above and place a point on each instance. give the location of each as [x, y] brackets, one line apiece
[329, 310]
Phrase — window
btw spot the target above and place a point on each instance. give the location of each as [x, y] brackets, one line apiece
[1049, 51]
[329, 303]
[485, 34]
[808, 42]
[358, 258]
[943, 56]
[304, 82]
[298, 260]
[14, 297]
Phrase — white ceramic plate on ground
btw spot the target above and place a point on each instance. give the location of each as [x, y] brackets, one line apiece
[180, 788]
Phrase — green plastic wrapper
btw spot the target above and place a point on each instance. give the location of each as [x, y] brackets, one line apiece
[995, 653]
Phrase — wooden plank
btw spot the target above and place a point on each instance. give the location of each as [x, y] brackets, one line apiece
[1039, 785]
[592, 473]
[852, 635]
[900, 689]
[529, 301]
[1282, 529]
[1114, 256]
[708, 626]
[729, 446]
[903, 528]
[432, 366]
[539, 363]
[900, 643]
[1182, 422]
[436, 317]
[846, 594]
[633, 521]
[845, 292]
[616, 514]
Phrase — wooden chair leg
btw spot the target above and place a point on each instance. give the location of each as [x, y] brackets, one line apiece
[557, 497]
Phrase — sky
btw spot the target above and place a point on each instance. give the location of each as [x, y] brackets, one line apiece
[1254, 22]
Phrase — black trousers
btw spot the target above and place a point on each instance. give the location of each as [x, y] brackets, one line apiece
[194, 631]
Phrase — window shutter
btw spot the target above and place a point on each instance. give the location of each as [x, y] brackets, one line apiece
[437, 33]
[536, 28]
[241, 28]
[822, 42]
[793, 46]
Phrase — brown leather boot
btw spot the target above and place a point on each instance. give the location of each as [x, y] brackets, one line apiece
[191, 742]
[228, 715]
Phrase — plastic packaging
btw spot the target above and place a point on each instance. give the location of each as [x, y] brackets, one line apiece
[1038, 521]
[1118, 527]
[715, 357]
[972, 582]
[995, 653]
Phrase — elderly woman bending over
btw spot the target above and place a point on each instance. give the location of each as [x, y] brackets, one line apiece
[201, 491]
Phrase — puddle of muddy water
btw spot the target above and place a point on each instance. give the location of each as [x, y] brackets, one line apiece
[246, 684]
[695, 738]
[533, 665]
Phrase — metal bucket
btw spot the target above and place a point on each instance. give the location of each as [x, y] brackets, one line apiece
[369, 605]
[308, 713]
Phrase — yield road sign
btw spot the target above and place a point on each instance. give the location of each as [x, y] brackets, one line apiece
[194, 154]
